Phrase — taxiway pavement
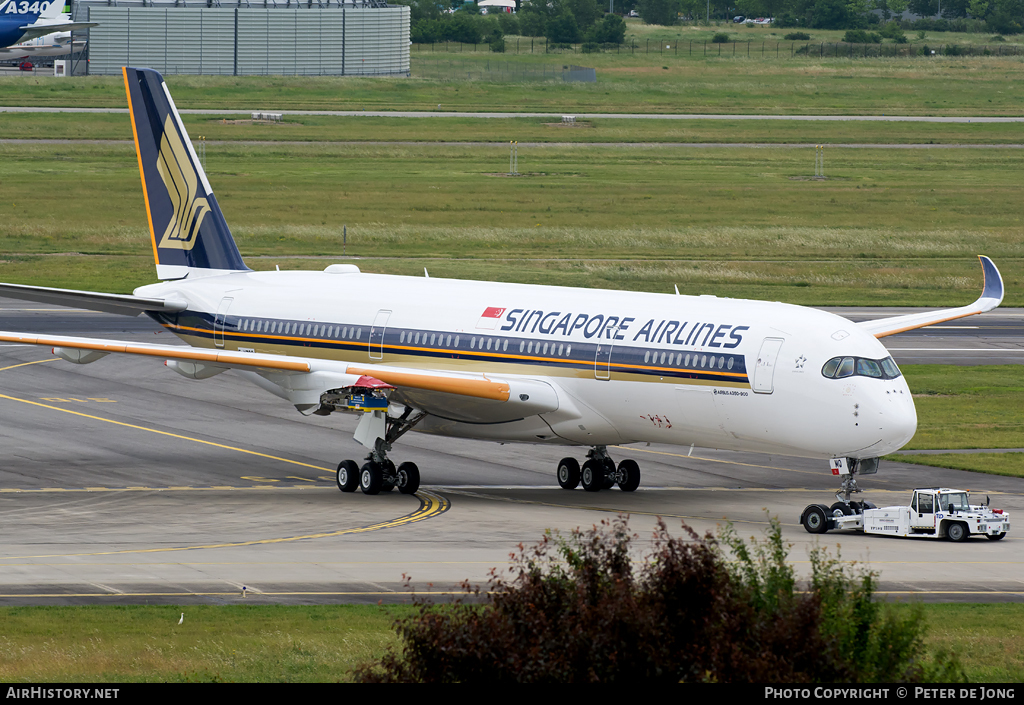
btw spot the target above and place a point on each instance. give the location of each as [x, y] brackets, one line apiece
[121, 482]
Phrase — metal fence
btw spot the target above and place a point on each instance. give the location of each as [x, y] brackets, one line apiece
[240, 41]
[749, 49]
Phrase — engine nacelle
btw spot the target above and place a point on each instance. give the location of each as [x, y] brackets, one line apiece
[194, 370]
[79, 357]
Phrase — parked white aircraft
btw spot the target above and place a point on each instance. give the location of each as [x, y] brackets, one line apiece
[497, 362]
[56, 44]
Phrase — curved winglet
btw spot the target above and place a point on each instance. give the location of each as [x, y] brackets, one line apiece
[991, 296]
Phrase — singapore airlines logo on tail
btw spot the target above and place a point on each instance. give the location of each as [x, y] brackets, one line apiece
[182, 184]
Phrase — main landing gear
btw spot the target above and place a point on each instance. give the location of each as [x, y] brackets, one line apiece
[377, 431]
[376, 477]
[598, 472]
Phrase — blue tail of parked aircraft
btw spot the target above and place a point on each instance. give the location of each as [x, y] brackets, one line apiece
[23, 20]
[187, 227]
[16, 15]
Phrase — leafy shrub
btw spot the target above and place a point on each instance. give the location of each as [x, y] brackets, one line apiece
[997, 38]
[720, 38]
[860, 36]
[577, 610]
[956, 50]
[893, 31]
[797, 37]
[497, 44]
[590, 47]
[611, 30]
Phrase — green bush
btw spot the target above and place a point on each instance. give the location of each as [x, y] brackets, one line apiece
[590, 47]
[693, 609]
[860, 36]
[797, 37]
[720, 38]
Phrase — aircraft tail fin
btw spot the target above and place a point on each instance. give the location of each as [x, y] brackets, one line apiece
[187, 228]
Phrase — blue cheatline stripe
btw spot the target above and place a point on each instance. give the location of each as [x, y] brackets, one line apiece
[629, 359]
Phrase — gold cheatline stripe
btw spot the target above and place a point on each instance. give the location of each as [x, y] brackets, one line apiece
[172, 352]
[431, 505]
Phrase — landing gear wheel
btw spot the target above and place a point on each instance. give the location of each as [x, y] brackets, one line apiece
[371, 478]
[814, 520]
[995, 537]
[840, 509]
[957, 532]
[609, 474]
[568, 473]
[390, 476]
[408, 478]
[348, 476]
[629, 472]
[592, 475]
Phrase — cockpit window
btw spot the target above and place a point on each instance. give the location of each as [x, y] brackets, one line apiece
[868, 368]
[845, 367]
[830, 367]
[839, 367]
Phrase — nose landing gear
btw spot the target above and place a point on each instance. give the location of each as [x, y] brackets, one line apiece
[598, 472]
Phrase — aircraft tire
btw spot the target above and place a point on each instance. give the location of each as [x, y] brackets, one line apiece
[568, 473]
[609, 474]
[841, 509]
[630, 472]
[592, 476]
[815, 520]
[390, 476]
[408, 478]
[371, 478]
[348, 476]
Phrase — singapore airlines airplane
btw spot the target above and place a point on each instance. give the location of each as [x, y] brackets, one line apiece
[492, 361]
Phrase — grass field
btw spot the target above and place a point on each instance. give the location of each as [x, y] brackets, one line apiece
[886, 227]
[963, 86]
[322, 644]
[326, 128]
[967, 407]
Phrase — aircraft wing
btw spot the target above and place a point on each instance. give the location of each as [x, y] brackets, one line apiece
[474, 397]
[33, 31]
[124, 304]
[991, 296]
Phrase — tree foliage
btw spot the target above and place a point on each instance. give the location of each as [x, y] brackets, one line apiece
[693, 609]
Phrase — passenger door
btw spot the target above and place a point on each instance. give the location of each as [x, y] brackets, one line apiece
[220, 320]
[764, 369]
[376, 344]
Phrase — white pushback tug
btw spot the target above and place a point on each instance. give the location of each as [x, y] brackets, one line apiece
[933, 513]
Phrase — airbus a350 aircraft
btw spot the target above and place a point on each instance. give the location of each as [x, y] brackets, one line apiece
[492, 361]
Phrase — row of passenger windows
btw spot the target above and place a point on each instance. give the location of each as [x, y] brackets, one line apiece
[484, 343]
[839, 367]
[679, 360]
[314, 330]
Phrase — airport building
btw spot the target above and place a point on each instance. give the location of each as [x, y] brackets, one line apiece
[246, 38]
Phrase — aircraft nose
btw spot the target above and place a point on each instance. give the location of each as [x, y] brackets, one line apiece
[900, 416]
